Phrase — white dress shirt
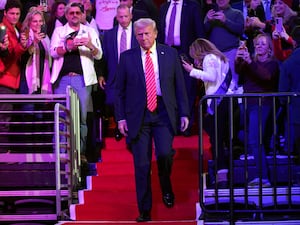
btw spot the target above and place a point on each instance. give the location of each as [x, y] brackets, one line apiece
[128, 31]
[154, 58]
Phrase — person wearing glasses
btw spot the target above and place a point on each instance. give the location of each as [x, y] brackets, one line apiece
[74, 47]
[86, 18]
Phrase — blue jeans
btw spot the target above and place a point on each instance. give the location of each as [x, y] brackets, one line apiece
[85, 100]
[255, 146]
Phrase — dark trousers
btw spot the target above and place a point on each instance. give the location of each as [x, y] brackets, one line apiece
[218, 133]
[155, 126]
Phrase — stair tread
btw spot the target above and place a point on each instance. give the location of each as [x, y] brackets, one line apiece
[114, 186]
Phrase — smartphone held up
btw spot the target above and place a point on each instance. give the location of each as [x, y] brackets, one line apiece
[185, 58]
[278, 24]
[44, 29]
[2, 33]
[44, 3]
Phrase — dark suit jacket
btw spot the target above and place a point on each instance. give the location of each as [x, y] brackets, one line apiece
[289, 81]
[130, 101]
[191, 26]
[110, 58]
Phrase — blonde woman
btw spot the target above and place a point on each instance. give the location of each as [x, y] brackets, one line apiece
[259, 75]
[212, 67]
[35, 78]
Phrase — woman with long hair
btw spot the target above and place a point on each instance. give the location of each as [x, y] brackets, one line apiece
[212, 67]
[282, 41]
[56, 16]
[36, 74]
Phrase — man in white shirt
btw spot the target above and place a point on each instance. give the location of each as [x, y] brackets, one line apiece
[74, 47]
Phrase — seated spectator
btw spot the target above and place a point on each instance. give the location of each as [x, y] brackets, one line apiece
[212, 67]
[259, 75]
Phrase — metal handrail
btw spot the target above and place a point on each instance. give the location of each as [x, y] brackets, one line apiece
[65, 111]
[212, 199]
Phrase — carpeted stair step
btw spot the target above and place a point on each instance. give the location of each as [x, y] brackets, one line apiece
[128, 211]
[172, 222]
[111, 194]
[112, 168]
[115, 182]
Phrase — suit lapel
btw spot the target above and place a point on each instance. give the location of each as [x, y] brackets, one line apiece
[115, 43]
[161, 59]
[134, 42]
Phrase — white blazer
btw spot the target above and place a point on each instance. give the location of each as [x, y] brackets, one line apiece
[86, 57]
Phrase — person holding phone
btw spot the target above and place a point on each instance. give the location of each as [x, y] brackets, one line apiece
[74, 48]
[285, 19]
[35, 70]
[212, 67]
[227, 23]
[35, 77]
[10, 74]
[280, 27]
[260, 74]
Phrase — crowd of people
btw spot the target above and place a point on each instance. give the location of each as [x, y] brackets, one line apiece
[152, 64]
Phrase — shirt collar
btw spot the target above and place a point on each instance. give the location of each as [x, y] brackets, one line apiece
[127, 28]
[152, 49]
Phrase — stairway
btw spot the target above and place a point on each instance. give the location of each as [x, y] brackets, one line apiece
[110, 196]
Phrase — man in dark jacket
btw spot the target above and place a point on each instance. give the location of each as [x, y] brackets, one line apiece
[289, 81]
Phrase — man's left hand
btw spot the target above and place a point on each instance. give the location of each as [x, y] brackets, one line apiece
[184, 122]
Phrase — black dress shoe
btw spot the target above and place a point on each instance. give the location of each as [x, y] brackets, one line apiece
[144, 217]
[168, 200]
[118, 135]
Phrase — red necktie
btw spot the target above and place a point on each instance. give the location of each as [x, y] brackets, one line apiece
[150, 83]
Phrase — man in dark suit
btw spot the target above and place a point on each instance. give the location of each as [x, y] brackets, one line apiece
[289, 81]
[188, 27]
[141, 117]
[111, 52]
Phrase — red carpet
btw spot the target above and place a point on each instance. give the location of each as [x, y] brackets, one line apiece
[112, 195]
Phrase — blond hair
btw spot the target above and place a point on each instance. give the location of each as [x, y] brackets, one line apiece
[31, 13]
[201, 47]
